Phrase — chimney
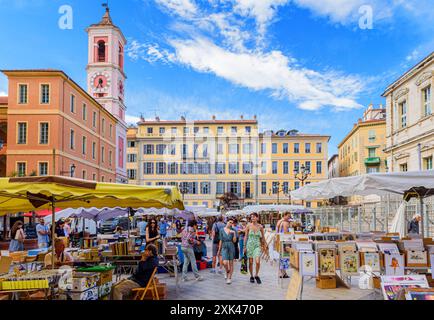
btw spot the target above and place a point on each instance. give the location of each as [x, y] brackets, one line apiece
[255, 117]
[142, 118]
[213, 117]
[157, 119]
[182, 118]
[242, 117]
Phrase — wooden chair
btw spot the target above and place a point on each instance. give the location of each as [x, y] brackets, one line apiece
[140, 293]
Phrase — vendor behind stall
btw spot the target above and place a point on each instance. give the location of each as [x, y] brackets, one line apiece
[142, 276]
[61, 257]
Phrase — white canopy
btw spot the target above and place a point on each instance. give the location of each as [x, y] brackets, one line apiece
[367, 184]
[234, 213]
[269, 207]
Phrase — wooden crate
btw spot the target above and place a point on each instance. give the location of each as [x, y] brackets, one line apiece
[377, 282]
[326, 282]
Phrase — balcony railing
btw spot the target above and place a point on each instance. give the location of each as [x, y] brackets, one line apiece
[372, 161]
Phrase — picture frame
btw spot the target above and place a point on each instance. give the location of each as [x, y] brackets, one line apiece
[308, 264]
[388, 248]
[371, 260]
[327, 262]
[367, 246]
[416, 294]
[286, 249]
[392, 286]
[349, 263]
[348, 246]
[394, 264]
[416, 258]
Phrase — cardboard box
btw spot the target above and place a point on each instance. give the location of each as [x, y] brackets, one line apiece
[326, 282]
[105, 289]
[90, 294]
[83, 281]
[105, 277]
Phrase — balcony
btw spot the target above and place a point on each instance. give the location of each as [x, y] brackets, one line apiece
[372, 161]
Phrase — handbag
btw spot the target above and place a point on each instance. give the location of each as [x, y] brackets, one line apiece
[244, 265]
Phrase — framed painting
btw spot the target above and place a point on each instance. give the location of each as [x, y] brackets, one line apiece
[388, 248]
[394, 264]
[371, 260]
[308, 264]
[350, 263]
[286, 249]
[417, 259]
[392, 286]
[327, 262]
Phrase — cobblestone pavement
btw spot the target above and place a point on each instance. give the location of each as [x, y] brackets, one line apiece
[214, 287]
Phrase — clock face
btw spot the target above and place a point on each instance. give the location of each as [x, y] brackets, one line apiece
[100, 82]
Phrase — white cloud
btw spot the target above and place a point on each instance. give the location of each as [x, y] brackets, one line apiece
[183, 8]
[131, 119]
[270, 71]
[413, 56]
[148, 52]
[3, 94]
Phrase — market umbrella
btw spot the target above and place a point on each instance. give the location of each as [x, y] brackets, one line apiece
[31, 193]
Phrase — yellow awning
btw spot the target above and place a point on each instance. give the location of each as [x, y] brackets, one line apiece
[31, 193]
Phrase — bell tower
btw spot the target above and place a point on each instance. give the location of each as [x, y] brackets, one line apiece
[106, 80]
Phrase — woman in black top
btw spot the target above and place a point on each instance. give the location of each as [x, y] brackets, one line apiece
[152, 232]
[60, 232]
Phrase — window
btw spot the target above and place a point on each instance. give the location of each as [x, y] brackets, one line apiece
[22, 95]
[22, 133]
[220, 188]
[247, 167]
[43, 168]
[372, 169]
[186, 130]
[220, 130]
[307, 148]
[403, 167]
[233, 148]
[110, 157]
[234, 168]
[162, 130]
[161, 168]
[101, 51]
[296, 185]
[110, 130]
[72, 139]
[103, 125]
[84, 112]
[285, 187]
[427, 163]
[102, 154]
[206, 130]
[195, 150]
[131, 157]
[319, 147]
[248, 129]
[220, 148]
[94, 176]
[319, 167]
[285, 148]
[184, 150]
[274, 148]
[72, 103]
[84, 175]
[307, 165]
[296, 166]
[234, 130]
[372, 136]
[205, 150]
[274, 167]
[426, 100]
[263, 167]
[403, 113]
[172, 149]
[132, 174]
[45, 94]
[247, 148]
[172, 168]
[296, 148]
[285, 167]
[234, 187]
[131, 144]
[275, 187]
[247, 190]
[150, 130]
[148, 168]
[83, 145]
[196, 130]
[371, 152]
[21, 169]
[205, 188]
[93, 150]
[94, 119]
[220, 168]
[263, 148]
[148, 149]
[161, 149]
[43, 133]
[263, 187]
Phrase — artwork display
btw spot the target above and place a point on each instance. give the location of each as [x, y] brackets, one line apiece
[303, 246]
[347, 247]
[372, 260]
[432, 263]
[349, 263]
[367, 246]
[413, 245]
[417, 258]
[392, 286]
[308, 264]
[327, 262]
[388, 248]
[394, 264]
[419, 294]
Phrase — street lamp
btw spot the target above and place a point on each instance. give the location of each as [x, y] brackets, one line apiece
[301, 175]
[183, 189]
[71, 172]
[277, 190]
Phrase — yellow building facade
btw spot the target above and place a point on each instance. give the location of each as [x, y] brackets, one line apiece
[362, 150]
[209, 158]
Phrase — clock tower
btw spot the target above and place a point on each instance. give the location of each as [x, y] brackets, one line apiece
[106, 80]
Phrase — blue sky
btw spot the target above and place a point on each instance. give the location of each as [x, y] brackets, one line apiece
[296, 64]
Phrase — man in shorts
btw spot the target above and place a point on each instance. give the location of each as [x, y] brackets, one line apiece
[217, 226]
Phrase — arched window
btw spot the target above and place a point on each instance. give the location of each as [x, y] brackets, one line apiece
[101, 51]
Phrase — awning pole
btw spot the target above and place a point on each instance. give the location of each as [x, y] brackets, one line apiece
[422, 214]
[53, 231]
